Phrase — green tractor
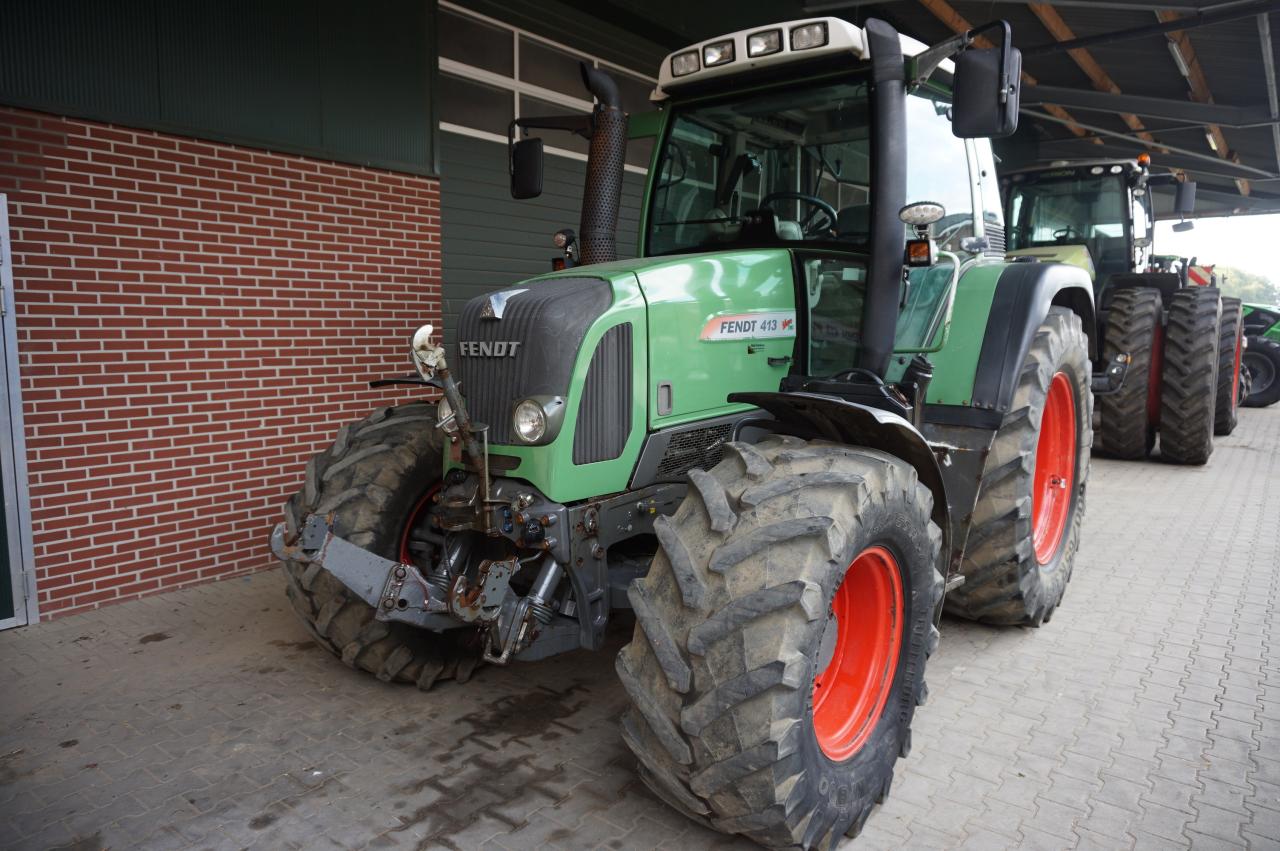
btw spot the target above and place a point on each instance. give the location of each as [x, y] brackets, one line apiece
[1173, 347]
[1261, 361]
[819, 401]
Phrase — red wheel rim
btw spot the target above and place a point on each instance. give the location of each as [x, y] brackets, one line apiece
[406, 557]
[850, 694]
[1154, 374]
[1055, 469]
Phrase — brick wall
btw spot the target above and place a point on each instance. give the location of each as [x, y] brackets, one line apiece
[194, 319]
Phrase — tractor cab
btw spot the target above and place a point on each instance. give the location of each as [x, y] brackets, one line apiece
[1095, 214]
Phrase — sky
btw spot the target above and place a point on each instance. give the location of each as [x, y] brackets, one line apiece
[1246, 242]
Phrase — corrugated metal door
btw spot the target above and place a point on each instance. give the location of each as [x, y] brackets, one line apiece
[490, 240]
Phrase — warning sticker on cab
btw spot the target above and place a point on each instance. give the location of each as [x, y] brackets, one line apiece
[750, 326]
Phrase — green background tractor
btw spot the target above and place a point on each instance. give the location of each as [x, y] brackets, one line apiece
[819, 401]
[1261, 359]
[1179, 344]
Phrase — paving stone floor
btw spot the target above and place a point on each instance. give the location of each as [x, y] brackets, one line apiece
[1147, 714]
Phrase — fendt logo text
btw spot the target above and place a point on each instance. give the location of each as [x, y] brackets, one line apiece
[488, 349]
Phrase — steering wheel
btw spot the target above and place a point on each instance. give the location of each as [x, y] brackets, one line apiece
[807, 225]
[1067, 233]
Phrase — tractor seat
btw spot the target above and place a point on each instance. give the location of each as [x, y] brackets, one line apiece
[788, 229]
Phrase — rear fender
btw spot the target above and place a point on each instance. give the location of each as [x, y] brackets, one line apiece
[1022, 298]
[813, 416]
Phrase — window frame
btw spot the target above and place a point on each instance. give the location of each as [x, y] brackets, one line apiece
[517, 88]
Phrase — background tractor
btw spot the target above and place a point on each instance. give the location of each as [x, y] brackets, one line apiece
[1261, 360]
[812, 406]
[1170, 344]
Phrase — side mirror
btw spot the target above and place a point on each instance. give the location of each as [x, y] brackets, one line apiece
[986, 87]
[1183, 227]
[1184, 199]
[526, 168]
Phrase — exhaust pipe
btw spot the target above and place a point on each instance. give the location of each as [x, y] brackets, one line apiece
[597, 239]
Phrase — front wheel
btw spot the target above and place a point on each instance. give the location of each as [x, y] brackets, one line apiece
[1026, 524]
[1128, 417]
[781, 638]
[1262, 359]
[375, 480]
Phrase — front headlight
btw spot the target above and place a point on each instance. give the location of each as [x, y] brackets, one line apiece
[529, 421]
[444, 416]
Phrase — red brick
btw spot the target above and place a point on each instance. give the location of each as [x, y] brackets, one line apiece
[188, 402]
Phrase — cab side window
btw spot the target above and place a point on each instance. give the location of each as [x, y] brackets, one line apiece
[938, 168]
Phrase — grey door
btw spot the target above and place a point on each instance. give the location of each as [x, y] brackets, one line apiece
[17, 591]
[491, 241]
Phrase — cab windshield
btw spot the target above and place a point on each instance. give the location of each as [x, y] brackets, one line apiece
[785, 167]
[1070, 210]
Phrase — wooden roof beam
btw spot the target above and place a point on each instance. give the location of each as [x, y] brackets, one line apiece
[1199, 85]
[1100, 79]
[945, 12]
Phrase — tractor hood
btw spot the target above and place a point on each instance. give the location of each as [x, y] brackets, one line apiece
[1072, 255]
[715, 321]
[614, 351]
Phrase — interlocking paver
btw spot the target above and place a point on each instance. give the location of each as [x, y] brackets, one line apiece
[1145, 715]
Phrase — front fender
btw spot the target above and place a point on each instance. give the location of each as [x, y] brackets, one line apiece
[811, 415]
[1023, 295]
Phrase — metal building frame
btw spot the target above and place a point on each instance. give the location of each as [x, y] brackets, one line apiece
[13, 448]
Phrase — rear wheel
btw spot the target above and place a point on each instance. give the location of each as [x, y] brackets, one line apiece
[1128, 417]
[1262, 359]
[781, 638]
[1230, 349]
[376, 480]
[1026, 524]
[1189, 383]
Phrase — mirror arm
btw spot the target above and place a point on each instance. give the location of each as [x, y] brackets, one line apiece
[583, 125]
[925, 63]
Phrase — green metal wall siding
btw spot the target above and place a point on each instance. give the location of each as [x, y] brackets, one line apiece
[492, 241]
[323, 78]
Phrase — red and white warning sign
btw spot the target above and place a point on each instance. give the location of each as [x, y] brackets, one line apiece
[1201, 276]
[750, 326]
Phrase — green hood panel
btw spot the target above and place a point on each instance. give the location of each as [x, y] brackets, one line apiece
[715, 322]
[1072, 255]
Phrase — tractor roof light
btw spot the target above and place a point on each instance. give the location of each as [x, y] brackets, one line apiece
[683, 64]
[717, 53]
[764, 43]
[753, 49]
[807, 36]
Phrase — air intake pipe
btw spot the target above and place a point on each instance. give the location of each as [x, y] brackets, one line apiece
[597, 231]
[888, 194]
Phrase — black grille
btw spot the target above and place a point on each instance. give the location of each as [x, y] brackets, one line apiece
[995, 238]
[548, 321]
[604, 416]
[699, 447]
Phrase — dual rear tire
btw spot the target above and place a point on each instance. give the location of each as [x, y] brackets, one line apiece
[1230, 351]
[1189, 383]
[1177, 366]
